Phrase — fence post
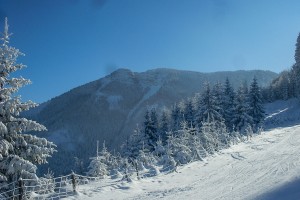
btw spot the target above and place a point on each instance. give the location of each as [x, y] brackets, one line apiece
[135, 163]
[73, 181]
[21, 189]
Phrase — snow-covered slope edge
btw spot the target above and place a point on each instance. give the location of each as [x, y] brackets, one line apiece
[256, 169]
[282, 113]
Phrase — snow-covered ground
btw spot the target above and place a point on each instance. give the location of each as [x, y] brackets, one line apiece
[266, 167]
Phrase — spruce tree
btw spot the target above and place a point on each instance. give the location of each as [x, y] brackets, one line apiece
[151, 128]
[218, 93]
[164, 126]
[101, 164]
[297, 50]
[206, 107]
[177, 116]
[228, 104]
[20, 152]
[241, 118]
[189, 115]
[256, 109]
[295, 72]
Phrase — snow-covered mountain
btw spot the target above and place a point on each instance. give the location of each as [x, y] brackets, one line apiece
[111, 107]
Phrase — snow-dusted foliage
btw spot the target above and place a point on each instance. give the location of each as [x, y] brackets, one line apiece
[135, 143]
[256, 110]
[207, 106]
[241, 118]
[151, 127]
[189, 112]
[19, 152]
[295, 71]
[176, 116]
[228, 104]
[164, 125]
[194, 128]
[102, 164]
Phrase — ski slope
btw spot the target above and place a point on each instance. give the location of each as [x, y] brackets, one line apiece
[265, 167]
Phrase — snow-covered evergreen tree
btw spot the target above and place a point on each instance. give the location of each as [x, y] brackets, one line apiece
[228, 104]
[177, 116]
[256, 109]
[136, 142]
[241, 118]
[295, 71]
[100, 165]
[164, 125]
[178, 149]
[189, 113]
[208, 136]
[218, 93]
[206, 107]
[167, 159]
[297, 50]
[151, 127]
[19, 152]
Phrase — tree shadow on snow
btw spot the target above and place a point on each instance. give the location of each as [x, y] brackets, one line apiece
[289, 191]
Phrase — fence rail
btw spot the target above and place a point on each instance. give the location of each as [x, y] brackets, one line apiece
[64, 186]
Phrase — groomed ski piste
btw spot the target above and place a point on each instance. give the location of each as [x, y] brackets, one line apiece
[267, 166]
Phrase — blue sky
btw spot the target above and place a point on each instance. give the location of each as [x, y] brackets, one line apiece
[71, 42]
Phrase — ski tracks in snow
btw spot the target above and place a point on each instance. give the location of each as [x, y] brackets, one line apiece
[248, 169]
[244, 171]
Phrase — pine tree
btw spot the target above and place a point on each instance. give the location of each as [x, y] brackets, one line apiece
[241, 118]
[256, 109]
[151, 128]
[206, 107]
[189, 115]
[136, 142]
[19, 152]
[164, 126]
[178, 146]
[295, 72]
[177, 116]
[100, 165]
[228, 104]
[218, 93]
[208, 136]
[297, 50]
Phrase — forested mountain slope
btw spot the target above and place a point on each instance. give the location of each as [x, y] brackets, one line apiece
[111, 107]
[265, 167]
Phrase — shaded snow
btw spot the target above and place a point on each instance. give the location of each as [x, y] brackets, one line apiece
[151, 91]
[62, 137]
[283, 113]
[114, 101]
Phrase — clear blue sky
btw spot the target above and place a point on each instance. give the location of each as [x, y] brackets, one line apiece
[71, 42]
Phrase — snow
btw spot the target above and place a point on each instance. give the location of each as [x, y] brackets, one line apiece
[113, 101]
[283, 113]
[265, 167]
[151, 91]
[62, 137]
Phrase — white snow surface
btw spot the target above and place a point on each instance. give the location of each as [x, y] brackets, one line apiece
[265, 167]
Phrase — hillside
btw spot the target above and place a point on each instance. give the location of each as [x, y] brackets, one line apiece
[111, 107]
[267, 167]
